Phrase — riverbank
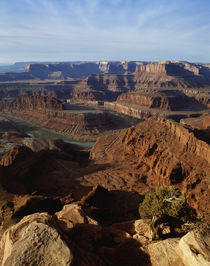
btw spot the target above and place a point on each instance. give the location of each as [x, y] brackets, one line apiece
[39, 132]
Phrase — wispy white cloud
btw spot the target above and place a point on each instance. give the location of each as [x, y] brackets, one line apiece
[96, 29]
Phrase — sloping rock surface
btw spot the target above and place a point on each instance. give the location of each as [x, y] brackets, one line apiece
[34, 242]
[194, 248]
[163, 253]
[163, 153]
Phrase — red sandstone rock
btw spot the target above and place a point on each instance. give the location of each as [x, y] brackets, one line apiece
[35, 103]
[47, 111]
[159, 99]
[164, 153]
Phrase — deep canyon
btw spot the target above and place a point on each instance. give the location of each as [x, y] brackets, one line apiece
[148, 126]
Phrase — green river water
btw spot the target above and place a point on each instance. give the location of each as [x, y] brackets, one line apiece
[39, 132]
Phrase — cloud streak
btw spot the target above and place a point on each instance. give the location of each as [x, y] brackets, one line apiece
[51, 30]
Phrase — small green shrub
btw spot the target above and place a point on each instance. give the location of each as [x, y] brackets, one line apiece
[165, 201]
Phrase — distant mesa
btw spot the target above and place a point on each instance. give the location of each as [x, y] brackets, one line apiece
[81, 69]
[143, 74]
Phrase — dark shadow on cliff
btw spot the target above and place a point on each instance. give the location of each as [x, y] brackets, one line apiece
[203, 135]
[96, 245]
[42, 182]
[47, 173]
[109, 207]
[120, 121]
[19, 125]
[51, 178]
[6, 126]
[38, 204]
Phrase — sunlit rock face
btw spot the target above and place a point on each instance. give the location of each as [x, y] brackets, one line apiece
[165, 153]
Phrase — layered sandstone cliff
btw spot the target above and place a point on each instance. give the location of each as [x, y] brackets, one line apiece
[172, 74]
[101, 87]
[202, 122]
[161, 99]
[166, 69]
[34, 103]
[38, 188]
[170, 68]
[129, 110]
[107, 82]
[201, 96]
[122, 67]
[86, 95]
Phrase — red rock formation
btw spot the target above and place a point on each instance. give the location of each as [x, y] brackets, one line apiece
[35, 103]
[8, 158]
[86, 95]
[101, 87]
[159, 68]
[165, 154]
[81, 69]
[171, 74]
[201, 96]
[202, 122]
[201, 126]
[130, 110]
[48, 111]
[170, 68]
[153, 99]
[109, 85]
[78, 125]
[160, 99]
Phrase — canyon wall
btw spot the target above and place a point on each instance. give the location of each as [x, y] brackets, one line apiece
[129, 110]
[159, 152]
[101, 87]
[162, 99]
[35, 102]
[172, 74]
[85, 96]
[49, 112]
[202, 96]
[170, 68]
[202, 122]
[107, 82]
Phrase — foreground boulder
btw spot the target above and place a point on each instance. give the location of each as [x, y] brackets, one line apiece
[163, 253]
[194, 248]
[70, 237]
[38, 239]
[33, 242]
[72, 214]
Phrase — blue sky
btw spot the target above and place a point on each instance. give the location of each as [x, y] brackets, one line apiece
[70, 30]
